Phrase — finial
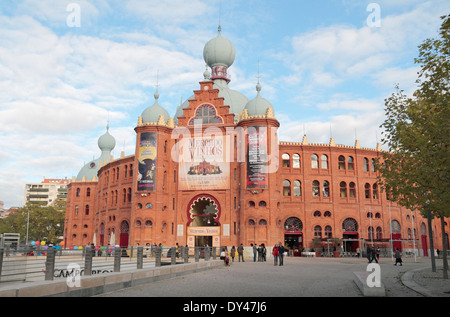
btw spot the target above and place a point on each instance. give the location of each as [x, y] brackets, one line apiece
[220, 29]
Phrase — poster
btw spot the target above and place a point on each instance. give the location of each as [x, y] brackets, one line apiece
[203, 166]
[257, 157]
[147, 162]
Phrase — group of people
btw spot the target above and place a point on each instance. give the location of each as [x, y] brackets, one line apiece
[278, 253]
[374, 254]
[226, 258]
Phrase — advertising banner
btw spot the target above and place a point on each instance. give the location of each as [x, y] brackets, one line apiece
[147, 162]
[256, 157]
[202, 166]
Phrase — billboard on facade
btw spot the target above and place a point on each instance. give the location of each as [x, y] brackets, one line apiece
[202, 164]
[257, 157]
[147, 162]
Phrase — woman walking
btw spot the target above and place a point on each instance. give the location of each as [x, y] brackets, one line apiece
[275, 254]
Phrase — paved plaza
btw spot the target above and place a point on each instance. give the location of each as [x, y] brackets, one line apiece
[299, 277]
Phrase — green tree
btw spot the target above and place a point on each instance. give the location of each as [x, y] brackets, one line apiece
[415, 170]
[45, 223]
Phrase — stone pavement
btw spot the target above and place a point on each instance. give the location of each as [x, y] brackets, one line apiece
[299, 277]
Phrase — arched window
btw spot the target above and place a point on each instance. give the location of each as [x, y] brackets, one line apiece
[370, 233]
[343, 189]
[341, 161]
[369, 215]
[366, 164]
[352, 190]
[375, 191]
[317, 213]
[315, 188]
[293, 224]
[251, 222]
[328, 232]
[317, 232]
[148, 223]
[138, 223]
[350, 225]
[207, 114]
[296, 160]
[324, 161]
[87, 210]
[262, 222]
[88, 192]
[251, 203]
[297, 188]
[286, 188]
[395, 226]
[372, 165]
[350, 163]
[78, 192]
[314, 161]
[286, 160]
[326, 189]
[327, 214]
[367, 190]
[262, 203]
[379, 233]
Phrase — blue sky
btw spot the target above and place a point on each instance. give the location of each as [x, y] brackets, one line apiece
[323, 68]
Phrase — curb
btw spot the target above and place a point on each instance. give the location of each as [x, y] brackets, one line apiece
[408, 280]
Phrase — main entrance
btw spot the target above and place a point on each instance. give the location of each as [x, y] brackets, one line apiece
[203, 227]
[293, 236]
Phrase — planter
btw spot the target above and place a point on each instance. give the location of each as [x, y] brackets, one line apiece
[336, 253]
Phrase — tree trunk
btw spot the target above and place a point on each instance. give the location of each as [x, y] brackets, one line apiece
[444, 249]
[430, 235]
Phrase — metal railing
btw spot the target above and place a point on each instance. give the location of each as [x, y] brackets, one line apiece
[38, 263]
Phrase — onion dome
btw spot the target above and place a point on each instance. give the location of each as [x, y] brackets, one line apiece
[258, 105]
[106, 142]
[219, 51]
[152, 113]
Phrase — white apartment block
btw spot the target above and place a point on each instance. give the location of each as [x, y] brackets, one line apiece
[45, 192]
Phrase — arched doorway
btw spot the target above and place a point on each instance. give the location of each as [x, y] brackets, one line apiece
[203, 227]
[423, 232]
[350, 234]
[293, 235]
[396, 235]
[124, 234]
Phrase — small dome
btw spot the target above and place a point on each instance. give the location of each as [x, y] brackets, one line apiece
[219, 52]
[152, 113]
[258, 105]
[106, 142]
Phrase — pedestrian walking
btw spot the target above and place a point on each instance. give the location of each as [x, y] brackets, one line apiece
[232, 253]
[264, 253]
[378, 253]
[398, 257]
[275, 254]
[260, 253]
[241, 252]
[255, 251]
[373, 255]
[281, 251]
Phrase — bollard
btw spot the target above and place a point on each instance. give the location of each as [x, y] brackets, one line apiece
[173, 256]
[1, 261]
[140, 257]
[88, 261]
[207, 253]
[186, 254]
[158, 256]
[214, 250]
[50, 264]
[117, 254]
[197, 254]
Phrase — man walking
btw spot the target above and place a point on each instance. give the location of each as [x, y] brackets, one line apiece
[280, 253]
[373, 255]
[241, 252]
[255, 251]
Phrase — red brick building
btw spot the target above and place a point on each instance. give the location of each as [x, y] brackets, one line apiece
[215, 174]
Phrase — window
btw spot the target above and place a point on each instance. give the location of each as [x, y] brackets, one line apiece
[78, 192]
[314, 161]
[286, 159]
[317, 213]
[251, 203]
[324, 161]
[326, 189]
[88, 192]
[372, 165]
[262, 222]
[352, 190]
[343, 189]
[350, 224]
[315, 189]
[207, 114]
[317, 232]
[369, 215]
[328, 232]
[148, 223]
[379, 233]
[293, 224]
[296, 161]
[251, 222]
[370, 232]
[366, 164]
[375, 191]
[350, 163]
[327, 214]
[87, 210]
[341, 161]
[138, 223]
[286, 188]
[367, 190]
[297, 188]
[262, 203]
